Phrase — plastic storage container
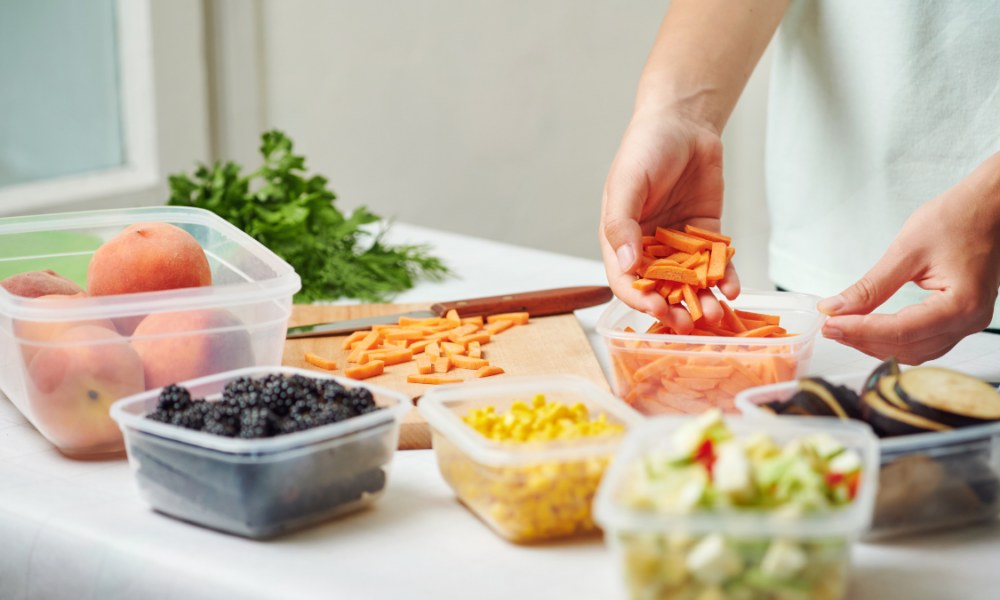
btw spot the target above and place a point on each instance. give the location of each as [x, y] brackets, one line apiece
[927, 481]
[526, 492]
[65, 387]
[260, 488]
[644, 365]
[719, 555]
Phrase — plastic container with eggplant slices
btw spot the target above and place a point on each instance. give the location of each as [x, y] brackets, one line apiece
[927, 481]
[525, 491]
[675, 538]
[672, 374]
[260, 488]
[63, 361]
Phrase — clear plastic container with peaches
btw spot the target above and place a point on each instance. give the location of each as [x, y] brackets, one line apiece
[673, 374]
[96, 306]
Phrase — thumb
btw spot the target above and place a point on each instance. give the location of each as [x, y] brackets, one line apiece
[872, 290]
[625, 197]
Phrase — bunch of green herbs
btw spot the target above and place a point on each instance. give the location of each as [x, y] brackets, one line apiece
[294, 215]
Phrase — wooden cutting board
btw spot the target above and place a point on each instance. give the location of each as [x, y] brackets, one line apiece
[546, 345]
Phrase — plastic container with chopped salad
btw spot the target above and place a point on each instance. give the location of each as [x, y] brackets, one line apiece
[718, 508]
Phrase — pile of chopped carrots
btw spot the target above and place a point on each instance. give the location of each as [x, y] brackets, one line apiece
[437, 345]
[664, 377]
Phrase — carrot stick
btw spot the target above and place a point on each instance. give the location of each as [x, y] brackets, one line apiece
[680, 390]
[424, 365]
[676, 294]
[489, 371]
[672, 273]
[752, 324]
[518, 318]
[769, 319]
[731, 319]
[499, 326]
[403, 334]
[366, 344]
[717, 264]
[759, 332]
[319, 361]
[704, 372]
[433, 350]
[648, 240]
[696, 383]
[715, 330]
[681, 241]
[473, 321]
[475, 351]
[693, 304]
[743, 370]
[419, 346]
[465, 362]
[453, 317]
[707, 235]
[357, 336]
[373, 368]
[659, 251]
[702, 272]
[442, 365]
[452, 349]
[732, 386]
[644, 285]
[431, 379]
[654, 367]
[729, 253]
[482, 337]
[782, 372]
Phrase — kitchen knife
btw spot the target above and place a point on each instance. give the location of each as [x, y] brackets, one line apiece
[539, 304]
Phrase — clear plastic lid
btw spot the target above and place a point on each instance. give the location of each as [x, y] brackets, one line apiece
[748, 402]
[131, 413]
[444, 407]
[798, 314]
[243, 270]
[655, 436]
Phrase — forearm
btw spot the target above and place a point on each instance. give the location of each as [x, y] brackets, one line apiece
[704, 54]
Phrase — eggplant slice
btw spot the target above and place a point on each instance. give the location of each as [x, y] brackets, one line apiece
[889, 421]
[820, 399]
[948, 397]
[888, 367]
[886, 387]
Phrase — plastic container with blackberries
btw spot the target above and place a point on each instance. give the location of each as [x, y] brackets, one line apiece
[262, 451]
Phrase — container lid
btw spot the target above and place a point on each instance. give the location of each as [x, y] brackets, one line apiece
[655, 435]
[803, 306]
[281, 282]
[748, 402]
[131, 413]
[439, 407]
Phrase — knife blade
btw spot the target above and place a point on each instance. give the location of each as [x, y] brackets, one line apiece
[539, 304]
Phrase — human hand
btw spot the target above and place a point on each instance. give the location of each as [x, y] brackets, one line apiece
[668, 173]
[950, 245]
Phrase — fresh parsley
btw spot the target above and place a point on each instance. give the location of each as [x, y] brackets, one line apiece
[295, 217]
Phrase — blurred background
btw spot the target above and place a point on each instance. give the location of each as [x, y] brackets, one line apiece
[497, 120]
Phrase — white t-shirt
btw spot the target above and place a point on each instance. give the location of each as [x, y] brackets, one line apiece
[875, 108]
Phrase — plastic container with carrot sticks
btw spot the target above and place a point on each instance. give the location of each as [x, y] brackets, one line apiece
[669, 374]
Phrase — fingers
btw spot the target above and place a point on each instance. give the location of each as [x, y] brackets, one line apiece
[626, 193]
[909, 354]
[873, 289]
[729, 285]
[710, 307]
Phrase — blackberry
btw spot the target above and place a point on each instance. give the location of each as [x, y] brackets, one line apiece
[333, 391]
[173, 399]
[240, 386]
[279, 394]
[360, 401]
[258, 423]
[192, 417]
[222, 420]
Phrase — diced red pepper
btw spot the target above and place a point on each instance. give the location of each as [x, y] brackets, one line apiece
[853, 480]
[832, 479]
[706, 455]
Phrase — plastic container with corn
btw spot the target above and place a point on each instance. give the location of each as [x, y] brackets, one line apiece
[526, 454]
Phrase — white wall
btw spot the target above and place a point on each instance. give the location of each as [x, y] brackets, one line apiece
[495, 119]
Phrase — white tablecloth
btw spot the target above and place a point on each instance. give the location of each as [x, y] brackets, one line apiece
[78, 530]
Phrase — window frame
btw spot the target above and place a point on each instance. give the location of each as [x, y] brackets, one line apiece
[138, 111]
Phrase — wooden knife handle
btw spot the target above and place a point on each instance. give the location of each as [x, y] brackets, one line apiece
[539, 304]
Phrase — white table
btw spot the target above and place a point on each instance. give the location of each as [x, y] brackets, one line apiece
[71, 529]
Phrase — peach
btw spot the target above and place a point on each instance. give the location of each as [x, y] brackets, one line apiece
[43, 331]
[70, 388]
[34, 284]
[148, 257]
[189, 348]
